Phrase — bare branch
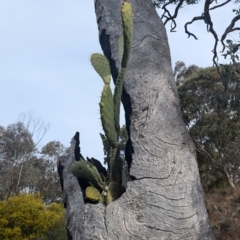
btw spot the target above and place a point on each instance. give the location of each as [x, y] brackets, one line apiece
[208, 21]
[201, 150]
[229, 29]
[193, 20]
[206, 17]
[35, 126]
[220, 5]
[170, 17]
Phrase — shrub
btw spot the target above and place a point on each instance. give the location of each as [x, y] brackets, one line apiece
[26, 217]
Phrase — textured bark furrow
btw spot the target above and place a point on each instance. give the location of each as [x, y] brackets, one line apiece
[150, 216]
[94, 224]
[125, 226]
[145, 42]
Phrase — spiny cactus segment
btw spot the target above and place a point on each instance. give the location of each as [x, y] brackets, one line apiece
[107, 115]
[121, 47]
[87, 171]
[93, 195]
[110, 188]
[102, 67]
[114, 192]
[117, 98]
[127, 22]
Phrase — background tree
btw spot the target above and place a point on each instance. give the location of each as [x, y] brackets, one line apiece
[49, 186]
[181, 72]
[210, 106]
[40, 175]
[24, 168]
[16, 147]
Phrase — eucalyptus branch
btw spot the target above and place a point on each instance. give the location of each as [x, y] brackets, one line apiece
[188, 23]
[171, 17]
[203, 151]
[220, 5]
[229, 29]
[206, 17]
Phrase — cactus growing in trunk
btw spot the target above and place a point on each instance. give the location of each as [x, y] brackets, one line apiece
[109, 111]
[165, 201]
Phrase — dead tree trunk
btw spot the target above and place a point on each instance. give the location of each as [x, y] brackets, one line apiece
[165, 201]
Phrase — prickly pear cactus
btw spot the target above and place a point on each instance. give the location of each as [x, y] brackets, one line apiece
[87, 171]
[102, 67]
[127, 22]
[110, 105]
[93, 195]
[114, 192]
[111, 187]
[107, 115]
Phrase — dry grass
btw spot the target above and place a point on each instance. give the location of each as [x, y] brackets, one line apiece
[223, 206]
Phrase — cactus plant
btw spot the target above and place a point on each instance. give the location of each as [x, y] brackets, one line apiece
[110, 106]
[127, 22]
[111, 188]
[115, 168]
[102, 67]
[87, 171]
[107, 115]
[114, 192]
[93, 195]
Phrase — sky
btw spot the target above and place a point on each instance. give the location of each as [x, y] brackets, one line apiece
[45, 47]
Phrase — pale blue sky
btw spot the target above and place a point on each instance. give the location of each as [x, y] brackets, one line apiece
[45, 48]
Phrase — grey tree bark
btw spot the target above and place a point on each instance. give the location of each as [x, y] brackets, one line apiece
[165, 201]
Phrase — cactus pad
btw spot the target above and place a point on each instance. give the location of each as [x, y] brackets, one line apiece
[121, 47]
[127, 22]
[117, 97]
[102, 67]
[93, 195]
[116, 166]
[87, 171]
[107, 115]
[114, 192]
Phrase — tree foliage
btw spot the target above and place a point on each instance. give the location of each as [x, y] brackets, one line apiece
[26, 217]
[16, 147]
[24, 168]
[211, 111]
[181, 72]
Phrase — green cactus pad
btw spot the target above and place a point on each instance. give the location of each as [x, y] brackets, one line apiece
[127, 22]
[107, 115]
[121, 47]
[87, 171]
[114, 192]
[116, 166]
[117, 97]
[102, 67]
[93, 195]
